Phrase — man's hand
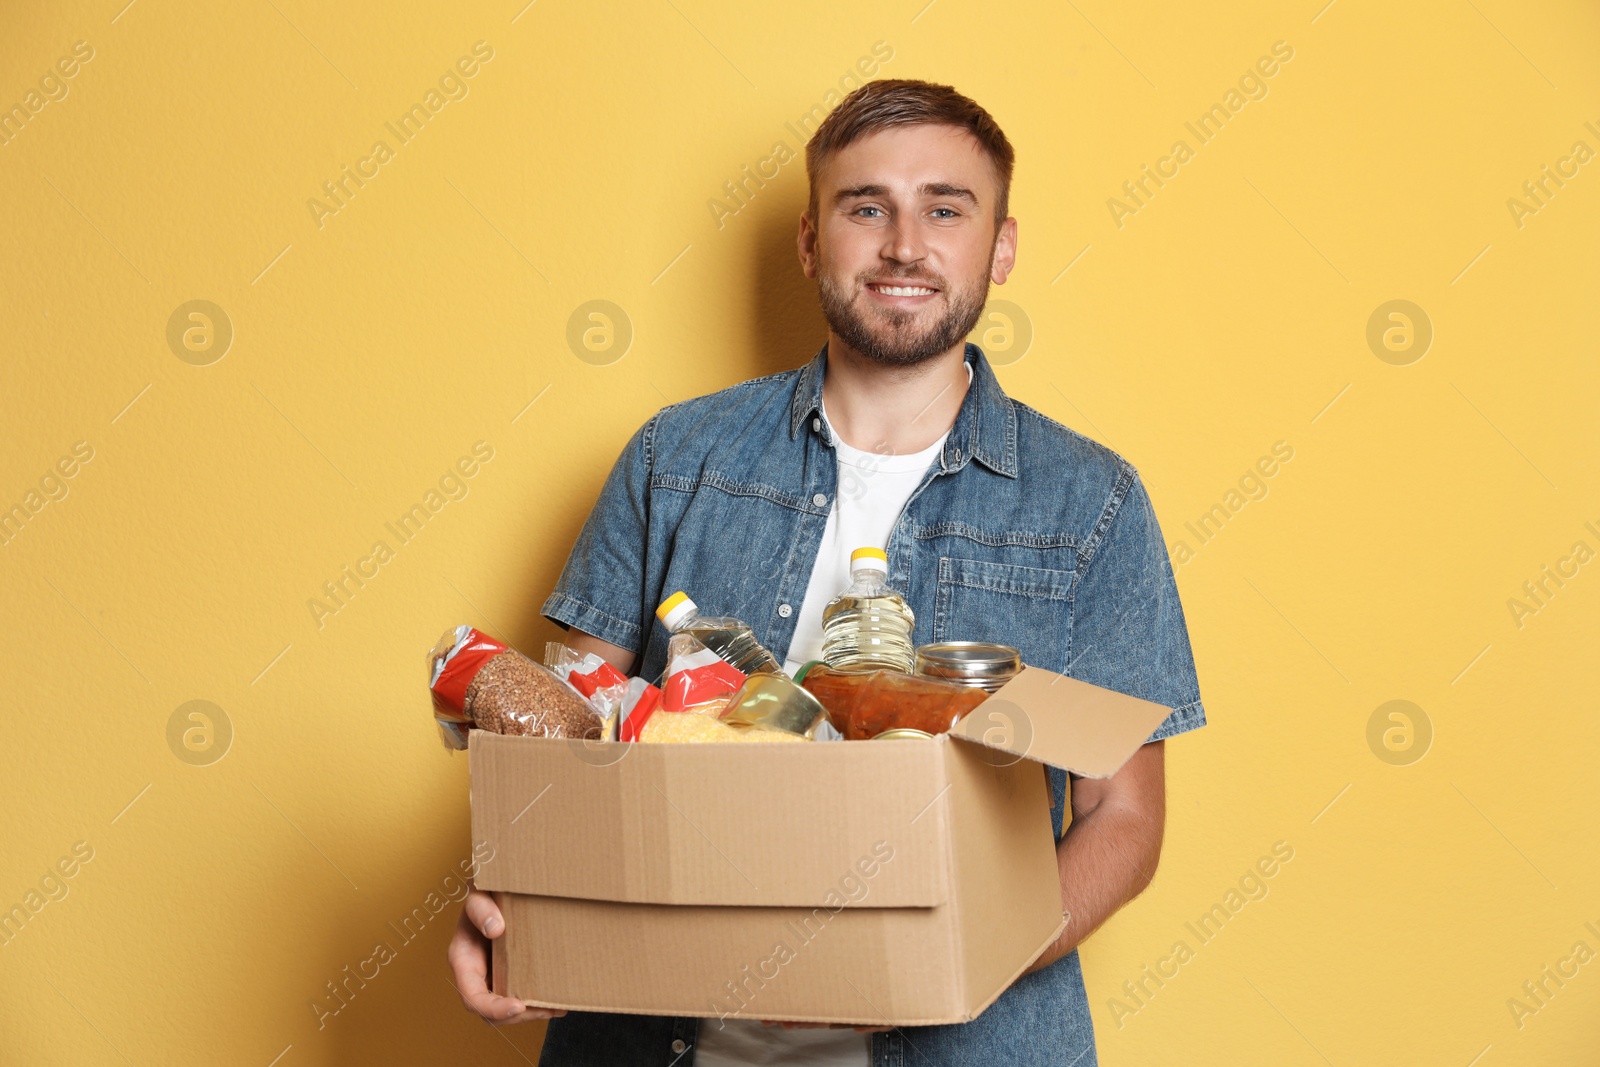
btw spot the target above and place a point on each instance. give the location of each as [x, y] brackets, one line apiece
[1110, 851]
[481, 921]
[469, 958]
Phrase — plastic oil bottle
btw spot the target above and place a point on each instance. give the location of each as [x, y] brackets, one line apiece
[728, 637]
[868, 626]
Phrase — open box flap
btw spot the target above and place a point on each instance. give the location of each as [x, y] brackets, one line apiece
[1050, 718]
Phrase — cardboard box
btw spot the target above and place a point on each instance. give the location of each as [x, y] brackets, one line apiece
[884, 882]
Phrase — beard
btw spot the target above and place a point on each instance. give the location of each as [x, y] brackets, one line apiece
[890, 335]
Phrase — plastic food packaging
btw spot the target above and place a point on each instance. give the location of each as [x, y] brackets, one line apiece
[695, 675]
[730, 638]
[477, 681]
[704, 723]
[868, 626]
[597, 681]
[698, 689]
[639, 702]
[862, 705]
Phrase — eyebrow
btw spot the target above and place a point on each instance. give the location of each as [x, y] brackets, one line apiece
[944, 189]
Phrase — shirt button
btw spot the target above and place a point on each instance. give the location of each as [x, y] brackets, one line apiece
[816, 424]
[784, 611]
[677, 1045]
[820, 499]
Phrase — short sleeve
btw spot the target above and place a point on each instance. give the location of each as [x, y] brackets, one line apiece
[601, 588]
[1128, 629]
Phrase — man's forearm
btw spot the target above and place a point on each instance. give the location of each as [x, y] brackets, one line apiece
[616, 655]
[1106, 859]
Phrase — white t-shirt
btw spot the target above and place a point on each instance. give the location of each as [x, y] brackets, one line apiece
[873, 490]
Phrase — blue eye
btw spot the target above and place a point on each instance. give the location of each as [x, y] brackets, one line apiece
[951, 210]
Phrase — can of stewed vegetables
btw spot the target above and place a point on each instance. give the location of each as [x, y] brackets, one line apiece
[974, 663]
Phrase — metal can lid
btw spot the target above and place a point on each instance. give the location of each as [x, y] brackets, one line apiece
[969, 652]
[898, 732]
[967, 659]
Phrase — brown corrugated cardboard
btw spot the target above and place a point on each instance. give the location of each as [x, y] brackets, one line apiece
[1067, 723]
[905, 882]
[675, 822]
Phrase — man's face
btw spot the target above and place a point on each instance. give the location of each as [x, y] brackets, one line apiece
[904, 246]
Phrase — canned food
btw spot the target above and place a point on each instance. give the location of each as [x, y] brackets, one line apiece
[972, 663]
[772, 700]
[900, 732]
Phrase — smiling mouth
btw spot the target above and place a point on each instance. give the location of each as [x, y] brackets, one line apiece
[888, 289]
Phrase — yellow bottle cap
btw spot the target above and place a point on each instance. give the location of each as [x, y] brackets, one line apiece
[667, 605]
[869, 553]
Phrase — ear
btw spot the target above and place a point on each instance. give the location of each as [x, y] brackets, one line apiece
[806, 244]
[1005, 252]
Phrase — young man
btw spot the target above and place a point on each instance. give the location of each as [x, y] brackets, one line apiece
[1000, 525]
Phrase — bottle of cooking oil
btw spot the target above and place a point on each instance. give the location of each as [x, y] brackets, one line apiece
[868, 626]
[728, 637]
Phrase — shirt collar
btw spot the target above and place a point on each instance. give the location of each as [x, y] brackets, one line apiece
[985, 428]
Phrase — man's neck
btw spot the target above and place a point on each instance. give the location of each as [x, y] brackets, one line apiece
[892, 410]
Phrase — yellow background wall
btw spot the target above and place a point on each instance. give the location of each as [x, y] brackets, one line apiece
[374, 345]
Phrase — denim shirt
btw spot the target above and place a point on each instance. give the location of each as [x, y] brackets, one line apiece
[1023, 532]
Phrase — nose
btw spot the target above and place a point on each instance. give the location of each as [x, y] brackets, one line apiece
[904, 241]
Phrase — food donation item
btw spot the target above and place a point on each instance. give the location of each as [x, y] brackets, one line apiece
[868, 626]
[728, 637]
[699, 688]
[702, 724]
[478, 681]
[696, 675]
[597, 681]
[638, 704]
[862, 705]
[973, 663]
[903, 733]
[775, 702]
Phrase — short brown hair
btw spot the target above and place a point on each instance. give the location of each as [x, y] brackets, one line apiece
[878, 105]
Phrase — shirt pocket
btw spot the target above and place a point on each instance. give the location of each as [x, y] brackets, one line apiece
[1028, 608]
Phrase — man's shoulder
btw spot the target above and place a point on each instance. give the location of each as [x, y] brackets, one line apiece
[709, 413]
[1052, 451]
